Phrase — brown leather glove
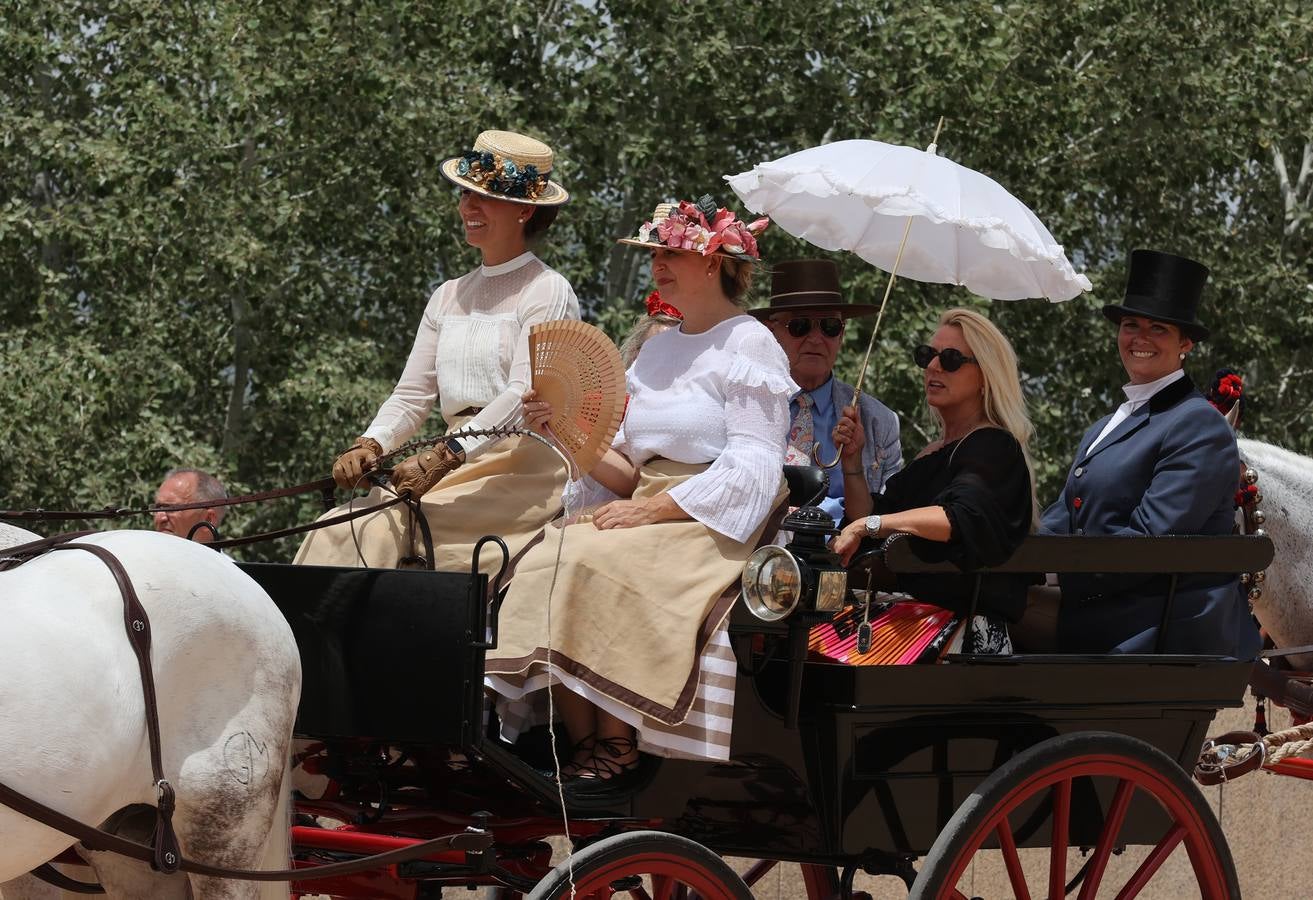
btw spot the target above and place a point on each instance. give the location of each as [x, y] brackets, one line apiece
[418, 474]
[355, 461]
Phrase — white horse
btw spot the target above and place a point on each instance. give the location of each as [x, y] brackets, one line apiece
[1285, 608]
[72, 727]
[12, 535]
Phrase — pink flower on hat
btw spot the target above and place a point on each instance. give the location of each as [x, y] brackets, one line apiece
[687, 228]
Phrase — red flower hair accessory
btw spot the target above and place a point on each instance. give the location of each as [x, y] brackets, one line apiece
[658, 307]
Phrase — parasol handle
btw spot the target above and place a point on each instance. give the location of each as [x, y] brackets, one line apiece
[879, 316]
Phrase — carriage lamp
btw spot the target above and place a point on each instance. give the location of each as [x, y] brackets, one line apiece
[772, 583]
[777, 579]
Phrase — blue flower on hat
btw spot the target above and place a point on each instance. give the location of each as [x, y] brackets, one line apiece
[510, 169]
[463, 167]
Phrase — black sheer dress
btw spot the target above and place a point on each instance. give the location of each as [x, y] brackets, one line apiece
[983, 484]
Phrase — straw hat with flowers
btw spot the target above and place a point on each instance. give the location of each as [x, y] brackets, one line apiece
[700, 227]
[507, 166]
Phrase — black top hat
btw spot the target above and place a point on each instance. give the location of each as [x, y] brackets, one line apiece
[1165, 288]
[803, 285]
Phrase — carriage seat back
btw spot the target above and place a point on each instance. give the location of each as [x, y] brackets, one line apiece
[386, 654]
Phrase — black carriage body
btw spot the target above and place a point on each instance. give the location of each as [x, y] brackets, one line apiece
[880, 758]
[884, 755]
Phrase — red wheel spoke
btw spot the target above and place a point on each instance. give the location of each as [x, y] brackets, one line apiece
[663, 887]
[1112, 826]
[1153, 862]
[1058, 850]
[1010, 859]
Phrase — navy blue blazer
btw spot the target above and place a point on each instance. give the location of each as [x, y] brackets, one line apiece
[1170, 468]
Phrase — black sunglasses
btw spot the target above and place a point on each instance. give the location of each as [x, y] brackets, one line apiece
[831, 326]
[950, 360]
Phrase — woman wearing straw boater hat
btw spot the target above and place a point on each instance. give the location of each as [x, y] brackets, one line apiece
[808, 314]
[470, 356]
[633, 620]
[1164, 462]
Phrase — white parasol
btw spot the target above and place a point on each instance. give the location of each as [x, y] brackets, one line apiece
[965, 228]
[912, 213]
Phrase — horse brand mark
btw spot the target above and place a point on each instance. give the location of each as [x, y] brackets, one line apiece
[245, 757]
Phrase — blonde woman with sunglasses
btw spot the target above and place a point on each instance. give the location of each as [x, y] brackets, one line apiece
[968, 497]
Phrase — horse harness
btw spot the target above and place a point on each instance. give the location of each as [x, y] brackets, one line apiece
[163, 853]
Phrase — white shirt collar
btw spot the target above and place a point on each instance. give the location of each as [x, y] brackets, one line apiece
[1138, 393]
[509, 266]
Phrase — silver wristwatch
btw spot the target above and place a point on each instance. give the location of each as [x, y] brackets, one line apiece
[872, 526]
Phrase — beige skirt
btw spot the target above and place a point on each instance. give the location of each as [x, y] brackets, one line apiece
[512, 489]
[631, 610]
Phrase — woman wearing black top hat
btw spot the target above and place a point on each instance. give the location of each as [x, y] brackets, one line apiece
[1165, 462]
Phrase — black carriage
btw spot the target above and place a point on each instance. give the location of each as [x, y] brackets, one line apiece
[840, 768]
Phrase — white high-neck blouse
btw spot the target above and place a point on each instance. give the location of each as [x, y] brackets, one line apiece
[719, 397]
[472, 350]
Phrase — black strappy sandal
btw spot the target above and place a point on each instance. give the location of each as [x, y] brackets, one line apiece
[604, 768]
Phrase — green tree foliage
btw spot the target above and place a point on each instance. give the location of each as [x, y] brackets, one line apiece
[219, 222]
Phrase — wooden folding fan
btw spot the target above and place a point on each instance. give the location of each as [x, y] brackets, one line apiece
[577, 369]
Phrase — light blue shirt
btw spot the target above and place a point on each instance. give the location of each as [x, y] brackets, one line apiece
[824, 417]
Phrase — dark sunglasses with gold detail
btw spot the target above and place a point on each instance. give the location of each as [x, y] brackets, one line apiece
[801, 326]
[950, 359]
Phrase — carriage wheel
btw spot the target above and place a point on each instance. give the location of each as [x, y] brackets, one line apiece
[645, 865]
[1043, 777]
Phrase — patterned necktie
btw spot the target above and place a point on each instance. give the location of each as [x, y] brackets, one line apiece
[801, 438]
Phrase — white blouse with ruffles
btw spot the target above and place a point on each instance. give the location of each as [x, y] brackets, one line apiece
[472, 350]
[719, 397]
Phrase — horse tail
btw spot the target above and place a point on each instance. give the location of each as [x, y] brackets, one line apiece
[277, 852]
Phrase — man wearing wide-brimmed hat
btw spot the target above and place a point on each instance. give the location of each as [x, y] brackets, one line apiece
[808, 314]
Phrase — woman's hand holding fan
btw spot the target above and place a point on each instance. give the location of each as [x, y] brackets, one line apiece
[578, 375]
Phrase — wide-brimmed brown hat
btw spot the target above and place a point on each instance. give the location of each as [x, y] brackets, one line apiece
[507, 166]
[806, 285]
[701, 227]
[1166, 288]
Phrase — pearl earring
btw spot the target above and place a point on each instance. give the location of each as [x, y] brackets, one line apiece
[1182, 356]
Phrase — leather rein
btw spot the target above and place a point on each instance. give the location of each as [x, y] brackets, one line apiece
[325, 487]
[163, 853]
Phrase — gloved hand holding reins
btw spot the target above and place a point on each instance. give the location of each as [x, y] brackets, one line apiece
[417, 475]
[355, 461]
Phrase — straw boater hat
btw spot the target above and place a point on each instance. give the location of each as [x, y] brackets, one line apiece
[700, 227]
[807, 285]
[1166, 288]
[507, 166]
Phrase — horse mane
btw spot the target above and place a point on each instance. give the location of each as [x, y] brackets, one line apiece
[12, 536]
[1293, 470]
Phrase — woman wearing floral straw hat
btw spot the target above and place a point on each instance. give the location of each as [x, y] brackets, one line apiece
[471, 356]
[637, 605]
